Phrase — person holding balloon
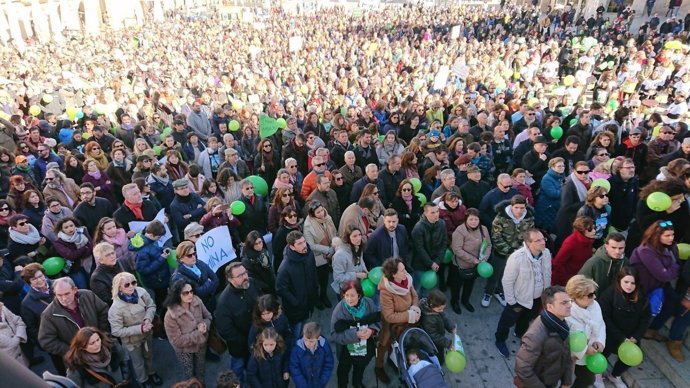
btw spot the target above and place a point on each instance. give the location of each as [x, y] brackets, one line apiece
[348, 259]
[626, 314]
[585, 316]
[354, 323]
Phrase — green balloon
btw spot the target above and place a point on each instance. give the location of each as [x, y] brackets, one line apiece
[53, 265]
[172, 259]
[658, 201]
[485, 270]
[448, 257]
[282, 124]
[422, 198]
[234, 125]
[416, 184]
[556, 132]
[157, 150]
[455, 362]
[429, 279]
[375, 275]
[368, 288]
[573, 122]
[601, 182]
[237, 207]
[577, 341]
[137, 241]
[630, 354]
[596, 363]
[260, 185]
[683, 251]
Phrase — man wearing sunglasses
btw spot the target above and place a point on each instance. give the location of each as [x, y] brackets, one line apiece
[46, 156]
[318, 168]
[503, 191]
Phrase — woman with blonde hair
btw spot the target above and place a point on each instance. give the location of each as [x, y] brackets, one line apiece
[131, 319]
[140, 146]
[585, 316]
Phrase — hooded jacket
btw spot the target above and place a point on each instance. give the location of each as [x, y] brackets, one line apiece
[507, 230]
[296, 284]
[436, 325]
[429, 243]
[152, 267]
[311, 369]
[602, 268]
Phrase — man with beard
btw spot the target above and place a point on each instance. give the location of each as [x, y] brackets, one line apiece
[388, 240]
[91, 208]
[296, 281]
[160, 184]
[61, 187]
[198, 121]
[364, 152]
[234, 314]
[187, 207]
[527, 121]
[341, 145]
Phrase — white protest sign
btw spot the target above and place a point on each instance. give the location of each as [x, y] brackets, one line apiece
[455, 32]
[215, 248]
[295, 43]
[138, 226]
[441, 77]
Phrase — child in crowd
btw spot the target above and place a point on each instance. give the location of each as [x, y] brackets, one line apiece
[311, 361]
[151, 260]
[435, 322]
[424, 371]
[268, 313]
[268, 365]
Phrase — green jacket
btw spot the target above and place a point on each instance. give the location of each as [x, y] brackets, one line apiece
[506, 234]
[602, 269]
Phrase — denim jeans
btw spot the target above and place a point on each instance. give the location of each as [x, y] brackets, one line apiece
[297, 329]
[237, 365]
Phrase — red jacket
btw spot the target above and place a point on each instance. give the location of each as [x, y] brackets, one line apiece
[576, 249]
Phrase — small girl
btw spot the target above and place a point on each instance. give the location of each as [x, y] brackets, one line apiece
[268, 365]
[268, 314]
[435, 322]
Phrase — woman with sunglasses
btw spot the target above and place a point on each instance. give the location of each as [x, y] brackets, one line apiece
[257, 259]
[93, 151]
[375, 216]
[282, 182]
[197, 273]
[131, 319]
[25, 240]
[626, 314]
[407, 205]
[573, 197]
[6, 212]
[266, 161]
[575, 251]
[585, 316]
[600, 157]
[187, 324]
[656, 260]
[289, 221]
[597, 208]
[319, 231]
[283, 198]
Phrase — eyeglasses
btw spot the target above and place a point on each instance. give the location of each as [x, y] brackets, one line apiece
[582, 172]
[146, 161]
[4, 209]
[666, 224]
[133, 283]
[339, 178]
[185, 293]
[591, 295]
[196, 235]
[604, 154]
[249, 188]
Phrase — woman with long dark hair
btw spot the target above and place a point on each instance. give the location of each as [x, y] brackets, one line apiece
[266, 161]
[74, 244]
[348, 263]
[91, 361]
[282, 198]
[289, 221]
[626, 314]
[34, 207]
[257, 260]
[268, 313]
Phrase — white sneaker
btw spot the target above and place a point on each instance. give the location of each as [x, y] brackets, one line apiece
[500, 298]
[486, 300]
[617, 381]
[599, 382]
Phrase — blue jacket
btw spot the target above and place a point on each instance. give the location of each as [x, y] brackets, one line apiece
[193, 205]
[311, 369]
[489, 202]
[380, 246]
[151, 266]
[188, 150]
[205, 286]
[164, 193]
[358, 187]
[41, 166]
[268, 373]
[549, 200]
[11, 287]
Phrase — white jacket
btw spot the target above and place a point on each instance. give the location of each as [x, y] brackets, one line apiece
[518, 277]
[589, 321]
[12, 333]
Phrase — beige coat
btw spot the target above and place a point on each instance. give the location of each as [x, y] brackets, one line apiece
[70, 188]
[465, 245]
[126, 319]
[12, 333]
[353, 216]
[314, 234]
[181, 327]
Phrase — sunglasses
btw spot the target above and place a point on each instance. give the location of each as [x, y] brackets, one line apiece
[319, 165]
[249, 188]
[4, 208]
[21, 223]
[285, 195]
[507, 186]
[375, 193]
[604, 154]
[406, 190]
[582, 172]
[267, 146]
[339, 178]
[666, 224]
[49, 179]
[133, 283]
[196, 235]
[603, 195]
[291, 215]
[190, 254]
[96, 148]
[295, 166]
[185, 293]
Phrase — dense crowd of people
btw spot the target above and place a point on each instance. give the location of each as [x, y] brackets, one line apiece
[407, 140]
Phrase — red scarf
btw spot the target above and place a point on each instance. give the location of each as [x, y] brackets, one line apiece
[402, 284]
[136, 209]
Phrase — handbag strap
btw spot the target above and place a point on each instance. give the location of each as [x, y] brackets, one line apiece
[99, 377]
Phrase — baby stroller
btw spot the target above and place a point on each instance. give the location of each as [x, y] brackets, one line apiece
[428, 377]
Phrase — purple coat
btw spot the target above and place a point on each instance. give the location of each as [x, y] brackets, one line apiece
[655, 269]
[106, 188]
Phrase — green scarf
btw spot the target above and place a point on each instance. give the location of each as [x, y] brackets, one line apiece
[358, 311]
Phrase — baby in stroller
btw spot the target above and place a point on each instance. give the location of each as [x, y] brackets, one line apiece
[424, 374]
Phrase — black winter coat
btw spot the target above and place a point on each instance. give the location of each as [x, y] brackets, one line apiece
[296, 284]
[623, 318]
[255, 216]
[124, 216]
[268, 373]
[429, 243]
[234, 317]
